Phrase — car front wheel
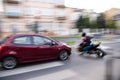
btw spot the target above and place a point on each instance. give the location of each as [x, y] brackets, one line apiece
[9, 62]
[63, 55]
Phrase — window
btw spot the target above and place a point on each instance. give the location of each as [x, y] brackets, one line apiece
[31, 10]
[14, 9]
[41, 40]
[47, 40]
[60, 2]
[116, 12]
[47, 11]
[46, 1]
[60, 13]
[45, 26]
[37, 10]
[22, 40]
[75, 16]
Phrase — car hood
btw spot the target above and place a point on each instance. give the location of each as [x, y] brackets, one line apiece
[62, 43]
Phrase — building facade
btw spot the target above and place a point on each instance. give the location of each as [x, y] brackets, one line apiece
[1, 13]
[51, 16]
[113, 14]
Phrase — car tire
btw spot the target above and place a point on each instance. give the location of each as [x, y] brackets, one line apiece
[9, 63]
[63, 55]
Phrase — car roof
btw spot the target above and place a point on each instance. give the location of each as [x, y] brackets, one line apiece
[17, 35]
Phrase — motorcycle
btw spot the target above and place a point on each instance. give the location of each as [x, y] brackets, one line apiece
[93, 50]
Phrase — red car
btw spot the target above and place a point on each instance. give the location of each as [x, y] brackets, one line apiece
[23, 48]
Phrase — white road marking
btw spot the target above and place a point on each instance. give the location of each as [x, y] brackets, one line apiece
[30, 68]
[56, 76]
[105, 47]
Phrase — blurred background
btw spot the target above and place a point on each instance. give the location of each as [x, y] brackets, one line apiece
[54, 17]
[64, 18]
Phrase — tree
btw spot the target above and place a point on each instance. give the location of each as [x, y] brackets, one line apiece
[93, 25]
[83, 22]
[79, 23]
[111, 24]
[86, 22]
[101, 23]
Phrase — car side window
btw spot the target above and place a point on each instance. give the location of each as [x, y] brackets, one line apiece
[47, 41]
[22, 40]
[41, 40]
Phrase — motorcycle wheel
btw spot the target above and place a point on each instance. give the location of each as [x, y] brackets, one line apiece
[100, 53]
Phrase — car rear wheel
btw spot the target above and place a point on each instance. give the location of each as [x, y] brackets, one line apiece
[63, 55]
[9, 62]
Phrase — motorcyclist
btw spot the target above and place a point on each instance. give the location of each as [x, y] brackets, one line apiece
[86, 42]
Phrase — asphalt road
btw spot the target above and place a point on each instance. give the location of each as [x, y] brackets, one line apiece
[76, 68]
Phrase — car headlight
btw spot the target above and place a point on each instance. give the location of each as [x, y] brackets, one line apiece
[66, 44]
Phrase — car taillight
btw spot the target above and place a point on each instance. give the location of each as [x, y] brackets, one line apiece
[1, 47]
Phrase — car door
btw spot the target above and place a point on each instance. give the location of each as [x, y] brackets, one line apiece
[25, 49]
[45, 49]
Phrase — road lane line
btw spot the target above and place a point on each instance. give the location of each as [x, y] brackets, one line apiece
[30, 68]
[56, 76]
[105, 47]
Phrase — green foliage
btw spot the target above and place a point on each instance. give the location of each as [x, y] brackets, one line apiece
[101, 22]
[83, 22]
[93, 25]
[79, 23]
[111, 24]
[86, 22]
[71, 43]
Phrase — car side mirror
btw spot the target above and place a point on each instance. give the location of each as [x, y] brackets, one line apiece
[54, 43]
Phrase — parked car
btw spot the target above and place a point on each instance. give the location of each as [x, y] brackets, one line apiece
[23, 48]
